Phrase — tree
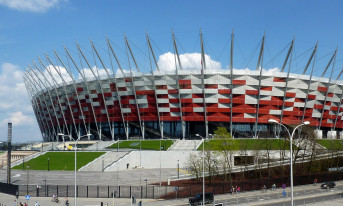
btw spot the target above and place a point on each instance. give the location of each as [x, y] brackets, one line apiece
[226, 146]
[194, 164]
[211, 164]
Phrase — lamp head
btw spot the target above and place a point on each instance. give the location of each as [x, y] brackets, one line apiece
[306, 123]
[273, 121]
[60, 134]
[197, 135]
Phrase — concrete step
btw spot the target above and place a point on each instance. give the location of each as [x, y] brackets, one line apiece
[104, 161]
[185, 145]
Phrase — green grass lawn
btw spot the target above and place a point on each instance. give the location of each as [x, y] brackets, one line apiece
[331, 144]
[146, 144]
[249, 144]
[60, 161]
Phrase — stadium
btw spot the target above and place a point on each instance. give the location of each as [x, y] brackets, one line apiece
[180, 103]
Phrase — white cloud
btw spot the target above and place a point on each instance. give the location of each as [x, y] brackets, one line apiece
[15, 106]
[191, 61]
[18, 119]
[31, 5]
[97, 71]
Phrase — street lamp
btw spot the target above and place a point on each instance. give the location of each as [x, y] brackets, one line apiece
[146, 188]
[273, 121]
[27, 180]
[178, 170]
[75, 148]
[45, 187]
[203, 168]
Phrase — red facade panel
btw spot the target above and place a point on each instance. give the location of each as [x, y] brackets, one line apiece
[239, 82]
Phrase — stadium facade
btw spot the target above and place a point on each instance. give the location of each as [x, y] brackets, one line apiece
[180, 103]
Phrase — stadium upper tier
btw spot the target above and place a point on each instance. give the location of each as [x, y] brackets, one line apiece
[179, 102]
[184, 96]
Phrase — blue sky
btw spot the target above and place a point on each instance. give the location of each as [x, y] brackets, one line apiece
[28, 28]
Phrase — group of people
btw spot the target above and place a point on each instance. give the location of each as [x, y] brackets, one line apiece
[21, 204]
[264, 188]
[236, 190]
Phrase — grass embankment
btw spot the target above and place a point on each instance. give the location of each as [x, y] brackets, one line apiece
[331, 144]
[59, 161]
[249, 144]
[146, 144]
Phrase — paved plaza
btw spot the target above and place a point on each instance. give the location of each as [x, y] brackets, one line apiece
[126, 177]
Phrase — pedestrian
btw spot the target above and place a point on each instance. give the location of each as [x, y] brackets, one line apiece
[238, 190]
[15, 202]
[21, 204]
[25, 204]
[233, 189]
[66, 201]
[273, 187]
[36, 204]
[315, 181]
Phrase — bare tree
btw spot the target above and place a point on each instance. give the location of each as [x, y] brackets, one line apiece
[211, 164]
[194, 164]
[226, 145]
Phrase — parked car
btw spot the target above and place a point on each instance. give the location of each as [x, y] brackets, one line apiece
[328, 184]
[197, 200]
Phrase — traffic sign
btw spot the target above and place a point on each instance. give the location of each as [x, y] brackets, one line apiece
[283, 186]
[176, 188]
[284, 193]
[27, 197]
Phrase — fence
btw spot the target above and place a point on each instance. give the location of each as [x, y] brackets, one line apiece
[177, 189]
[147, 191]
[8, 188]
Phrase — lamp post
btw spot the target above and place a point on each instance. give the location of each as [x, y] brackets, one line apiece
[75, 148]
[48, 164]
[146, 188]
[45, 187]
[178, 170]
[273, 121]
[203, 168]
[27, 180]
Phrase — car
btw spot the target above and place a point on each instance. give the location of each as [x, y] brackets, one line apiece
[328, 184]
[197, 200]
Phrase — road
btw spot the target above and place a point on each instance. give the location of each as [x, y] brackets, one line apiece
[303, 195]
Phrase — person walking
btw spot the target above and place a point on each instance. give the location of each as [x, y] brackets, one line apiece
[238, 190]
[36, 204]
[66, 201]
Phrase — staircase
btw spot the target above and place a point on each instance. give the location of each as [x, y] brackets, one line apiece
[185, 145]
[104, 161]
[100, 145]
